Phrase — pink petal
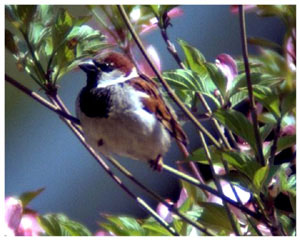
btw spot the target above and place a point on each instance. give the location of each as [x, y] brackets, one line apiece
[103, 233]
[143, 65]
[243, 195]
[291, 51]
[163, 211]
[248, 8]
[29, 225]
[288, 130]
[182, 197]
[264, 230]
[146, 28]
[174, 12]
[228, 67]
[13, 212]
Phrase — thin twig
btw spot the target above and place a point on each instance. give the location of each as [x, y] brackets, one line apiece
[102, 163]
[155, 196]
[275, 142]
[61, 104]
[197, 183]
[164, 83]
[40, 99]
[238, 198]
[258, 141]
[215, 122]
[171, 47]
[69, 120]
[169, 169]
[218, 185]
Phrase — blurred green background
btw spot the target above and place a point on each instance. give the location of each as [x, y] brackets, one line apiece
[40, 151]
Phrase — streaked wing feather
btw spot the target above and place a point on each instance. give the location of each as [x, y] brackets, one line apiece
[155, 104]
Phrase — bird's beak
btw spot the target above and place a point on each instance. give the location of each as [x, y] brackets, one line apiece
[87, 65]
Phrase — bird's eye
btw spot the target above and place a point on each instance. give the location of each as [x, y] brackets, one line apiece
[106, 67]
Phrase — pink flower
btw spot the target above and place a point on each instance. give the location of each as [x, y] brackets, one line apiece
[19, 223]
[291, 51]
[163, 210]
[143, 65]
[13, 214]
[248, 8]
[152, 25]
[288, 130]
[103, 233]
[264, 230]
[243, 195]
[228, 67]
[29, 225]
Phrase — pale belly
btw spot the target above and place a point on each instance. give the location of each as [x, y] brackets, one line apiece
[133, 133]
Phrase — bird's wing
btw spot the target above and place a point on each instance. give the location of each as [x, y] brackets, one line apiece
[155, 104]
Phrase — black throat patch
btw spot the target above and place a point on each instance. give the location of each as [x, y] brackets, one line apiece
[95, 102]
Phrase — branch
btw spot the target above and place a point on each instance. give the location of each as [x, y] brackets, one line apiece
[275, 142]
[219, 187]
[260, 155]
[215, 122]
[164, 83]
[105, 167]
[40, 99]
[158, 198]
[171, 170]
[171, 47]
[198, 184]
[70, 121]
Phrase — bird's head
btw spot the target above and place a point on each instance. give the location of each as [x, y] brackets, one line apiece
[109, 66]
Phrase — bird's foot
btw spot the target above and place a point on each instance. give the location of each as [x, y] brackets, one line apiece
[157, 164]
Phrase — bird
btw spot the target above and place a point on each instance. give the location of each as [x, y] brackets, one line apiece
[122, 111]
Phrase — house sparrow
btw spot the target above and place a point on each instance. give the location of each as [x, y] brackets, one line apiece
[122, 112]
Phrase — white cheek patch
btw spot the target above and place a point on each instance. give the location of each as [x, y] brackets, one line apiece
[115, 77]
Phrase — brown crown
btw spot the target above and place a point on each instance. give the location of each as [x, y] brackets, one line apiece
[119, 61]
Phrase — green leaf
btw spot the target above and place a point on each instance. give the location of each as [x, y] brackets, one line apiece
[45, 14]
[193, 57]
[191, 82]
[238, 124]
[25, 14]
[238, 160]
[288, 102]
[194, 194]
[83, 32]
[62, 27]
[123, 225]
[262, 42]
[286, 142]
[287, 224]
[10, 43]
[241, 161]
[238, 98]
[240, 82]
[163, 9]
[267, 118]
[217, 77]
[260, 177]
[271, 63]
[214, 216]
[61, 225]
[268, 99]
[155, 229]
[155, 9]
[266, 130]
[180, 227]
[26, 197]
